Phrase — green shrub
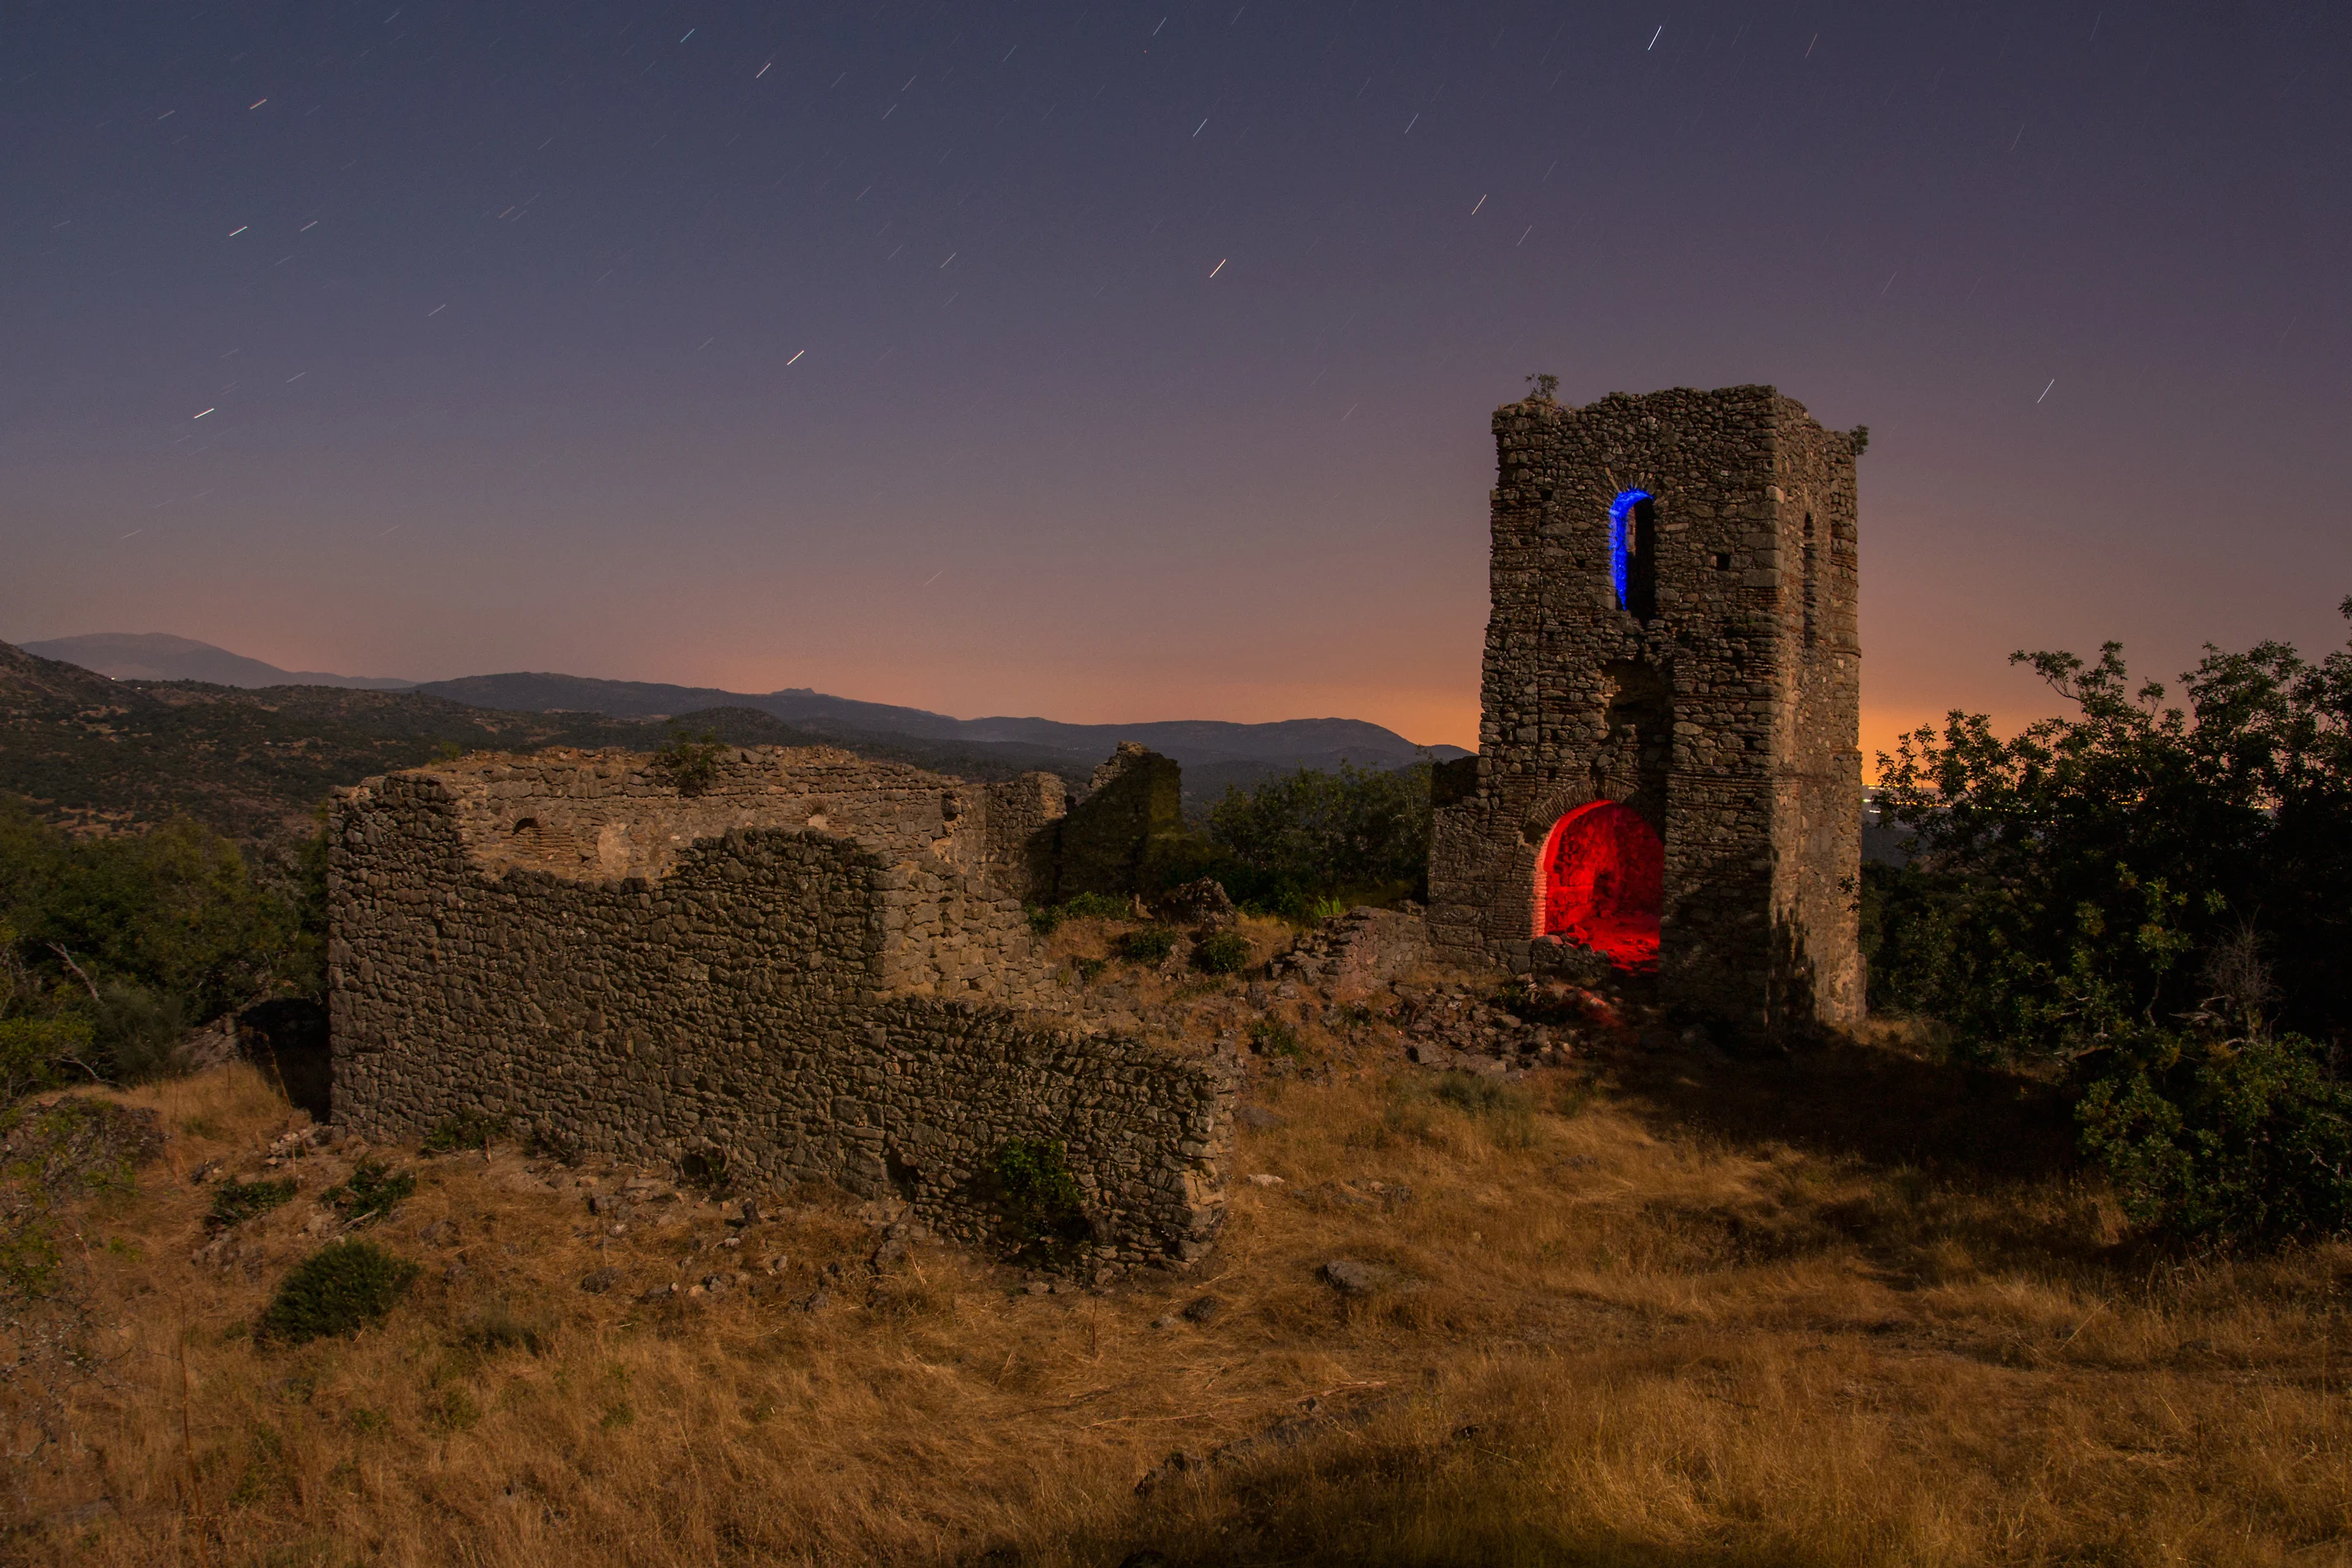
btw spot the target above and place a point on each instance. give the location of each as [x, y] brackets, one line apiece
[1223, 952]
[34, 1053]
[1039, 1202]
[689, 763]
[372, 1189]
[1045, 920]
[136, 1030]
[1273, 1037]
[1090, 970]
[1149, 944]
[1311, 835]
[342, 1288]
[169, 927]
[468, 1130]
[2242, 1141]
[234, 1201]
[2046, 861]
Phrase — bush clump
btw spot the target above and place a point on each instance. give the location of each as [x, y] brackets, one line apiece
[2157, 901]
[342, 1288]
[1150, 944]
[1223, 952]
[234, 1201]
[111, 948]
[372, 1189]
[689, 763]
[1273, 1037]
[1308, 844]
[2225, 1141]
[469, 1130]
[1047, 919]
[1042, 1207]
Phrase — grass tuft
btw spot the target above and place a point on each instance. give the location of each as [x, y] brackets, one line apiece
[342, 1288]
[371, 1191]
[234, 1201]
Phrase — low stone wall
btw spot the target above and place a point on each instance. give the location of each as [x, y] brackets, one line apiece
[1362, 949]
[796, 1001]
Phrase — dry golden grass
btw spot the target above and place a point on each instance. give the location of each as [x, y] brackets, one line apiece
[1679, 1312]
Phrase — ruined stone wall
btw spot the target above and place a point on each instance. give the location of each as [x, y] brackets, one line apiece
[1727, 716]
[1134, 807]
[806, 972]
[1019, 833]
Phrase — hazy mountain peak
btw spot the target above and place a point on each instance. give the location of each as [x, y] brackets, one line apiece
[160, 656]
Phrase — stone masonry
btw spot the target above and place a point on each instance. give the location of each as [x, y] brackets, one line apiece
[816, 967]
[1718, 696]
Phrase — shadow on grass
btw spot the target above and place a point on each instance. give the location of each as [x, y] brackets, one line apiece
[1883, 1107]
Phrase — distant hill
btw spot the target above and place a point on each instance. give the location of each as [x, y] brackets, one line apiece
[95, 754]
[154, 655]
[113, 728]
[1194, 742]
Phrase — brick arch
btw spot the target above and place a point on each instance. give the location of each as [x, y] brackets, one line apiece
[1600, 881]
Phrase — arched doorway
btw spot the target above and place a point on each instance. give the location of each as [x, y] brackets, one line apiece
[1602, 878]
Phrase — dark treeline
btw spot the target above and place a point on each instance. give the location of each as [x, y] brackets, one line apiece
[2158, 899]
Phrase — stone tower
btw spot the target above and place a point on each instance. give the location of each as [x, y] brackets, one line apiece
[1669, 774]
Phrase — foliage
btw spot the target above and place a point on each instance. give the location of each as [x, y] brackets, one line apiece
[1311, 836]
[470, 1129]
[1148, 944]
[342, 1288]
[1223, 952]
[2160, 898]
[1273, 1037]
[35, 1051]
[51, 1156]
[2226, 1140]
[689, 763]
[234, 1201]
[2065, 876]
[372, 1189]
[1039, 1201]
[115, 945]
[1046, 920]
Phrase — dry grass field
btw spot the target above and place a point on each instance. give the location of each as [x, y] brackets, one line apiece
[1647, 1309]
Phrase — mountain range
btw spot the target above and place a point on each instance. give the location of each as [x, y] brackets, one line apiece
[157, 656]
[1194, 742]
[107, 739]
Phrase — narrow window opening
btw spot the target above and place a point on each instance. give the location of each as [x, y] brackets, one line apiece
[1722, 563]
[1633, 553]
[1812, 584]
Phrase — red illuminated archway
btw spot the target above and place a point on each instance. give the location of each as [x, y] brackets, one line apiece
[1603, 875]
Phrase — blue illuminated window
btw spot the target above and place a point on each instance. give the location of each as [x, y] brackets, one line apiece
[1632, 544]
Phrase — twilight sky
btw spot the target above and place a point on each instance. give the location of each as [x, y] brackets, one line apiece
[1111, 361]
